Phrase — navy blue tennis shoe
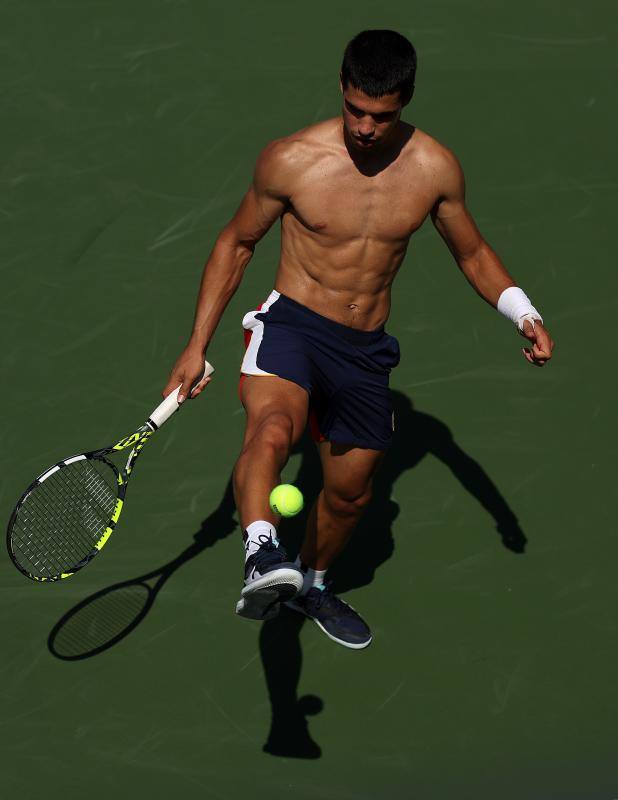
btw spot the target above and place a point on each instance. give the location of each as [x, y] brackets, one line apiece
[270, 579]
[339, 621]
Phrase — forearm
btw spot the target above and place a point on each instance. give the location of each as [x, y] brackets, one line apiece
[220, 280]
[485, 273]
[481, 265]
[488, 276]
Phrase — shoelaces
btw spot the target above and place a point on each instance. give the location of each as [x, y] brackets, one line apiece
[325, 598]
[269, 553]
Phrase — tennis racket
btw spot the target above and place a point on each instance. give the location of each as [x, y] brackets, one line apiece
[66, 516]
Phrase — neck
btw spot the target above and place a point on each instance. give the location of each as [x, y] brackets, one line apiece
[374, 160]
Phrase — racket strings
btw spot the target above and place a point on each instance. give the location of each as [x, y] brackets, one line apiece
[62, 519]
[57, 505]
[54, 542]
[43, 524]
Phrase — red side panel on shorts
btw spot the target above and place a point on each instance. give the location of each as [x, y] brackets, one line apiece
[314, 428]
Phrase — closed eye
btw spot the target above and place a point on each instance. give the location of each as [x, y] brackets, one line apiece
[358, 112]
[353, 110]
[384, 117]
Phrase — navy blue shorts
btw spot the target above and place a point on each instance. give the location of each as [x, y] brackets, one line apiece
[344, 370]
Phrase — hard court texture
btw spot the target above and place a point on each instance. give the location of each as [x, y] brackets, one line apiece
[486, 564]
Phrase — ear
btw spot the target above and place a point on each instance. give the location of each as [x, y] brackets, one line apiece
[340, 83]
[405, 99]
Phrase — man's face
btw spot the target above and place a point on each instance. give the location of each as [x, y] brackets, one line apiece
[369, 121]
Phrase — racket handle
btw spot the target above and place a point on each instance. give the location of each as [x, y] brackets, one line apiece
[170, 405]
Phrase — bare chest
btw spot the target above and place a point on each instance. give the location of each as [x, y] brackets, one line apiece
[342, 203]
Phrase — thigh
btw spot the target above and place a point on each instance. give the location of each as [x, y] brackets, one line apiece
[348, 471]
[359, 410]
[267, 397]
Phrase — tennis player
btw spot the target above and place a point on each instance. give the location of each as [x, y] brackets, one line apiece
[350, 192]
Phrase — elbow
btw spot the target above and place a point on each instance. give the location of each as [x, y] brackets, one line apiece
[240, 248]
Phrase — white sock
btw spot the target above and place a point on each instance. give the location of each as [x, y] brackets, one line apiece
[311, 577]
[257, 534]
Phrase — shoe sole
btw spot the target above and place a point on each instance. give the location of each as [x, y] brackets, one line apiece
[262, 598]
[350, 645]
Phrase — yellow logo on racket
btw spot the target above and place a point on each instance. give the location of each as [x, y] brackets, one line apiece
[129, 441]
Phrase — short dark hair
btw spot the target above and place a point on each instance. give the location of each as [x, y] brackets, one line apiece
[380, 62]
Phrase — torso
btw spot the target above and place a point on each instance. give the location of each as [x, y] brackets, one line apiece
[345, 233]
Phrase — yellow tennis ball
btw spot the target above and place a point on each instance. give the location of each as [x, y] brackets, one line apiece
[286, 500]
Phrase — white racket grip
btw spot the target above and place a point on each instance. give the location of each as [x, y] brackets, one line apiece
[170, 405]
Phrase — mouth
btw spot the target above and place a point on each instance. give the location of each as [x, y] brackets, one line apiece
[365, 142]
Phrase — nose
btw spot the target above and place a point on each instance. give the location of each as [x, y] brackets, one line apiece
[366, 129]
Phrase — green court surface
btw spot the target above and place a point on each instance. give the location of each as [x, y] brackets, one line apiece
[128, 135]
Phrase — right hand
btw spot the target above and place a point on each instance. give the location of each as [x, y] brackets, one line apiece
[186, 372]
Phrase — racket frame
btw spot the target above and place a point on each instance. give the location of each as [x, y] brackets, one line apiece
[136, 441]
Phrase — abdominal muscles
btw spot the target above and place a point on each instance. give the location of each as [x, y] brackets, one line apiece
[340, 274]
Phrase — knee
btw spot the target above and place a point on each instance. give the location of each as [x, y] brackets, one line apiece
[347, 503]
[274, 432]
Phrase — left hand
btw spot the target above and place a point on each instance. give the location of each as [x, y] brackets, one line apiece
[542, 343]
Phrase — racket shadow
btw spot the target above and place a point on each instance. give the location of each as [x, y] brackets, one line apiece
[103, 619]
[106, 617]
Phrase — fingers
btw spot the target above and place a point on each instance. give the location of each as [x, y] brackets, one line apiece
[185, 386]
[542, 344]
[185, 389]
[200, 387]
[187, 375]
[171, 384]
[537, 355]
[542, 348]
[540, 351]
[530, 357]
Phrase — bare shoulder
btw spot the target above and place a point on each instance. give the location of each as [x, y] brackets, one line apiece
[291, 155]
[439, 160]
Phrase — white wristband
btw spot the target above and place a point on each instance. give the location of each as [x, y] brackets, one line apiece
[516, 306]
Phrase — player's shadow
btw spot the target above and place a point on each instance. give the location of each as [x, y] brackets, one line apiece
[106, 617]
[418, 435]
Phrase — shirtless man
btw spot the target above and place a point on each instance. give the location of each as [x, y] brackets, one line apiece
[349, 193]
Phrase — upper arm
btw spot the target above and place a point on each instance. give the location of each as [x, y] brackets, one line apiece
[450, 216]
[266, 198]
